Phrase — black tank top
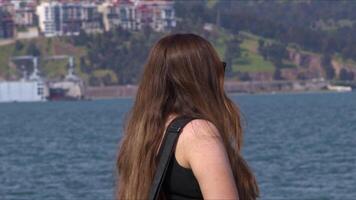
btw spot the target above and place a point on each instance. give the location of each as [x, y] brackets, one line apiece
[180, 182]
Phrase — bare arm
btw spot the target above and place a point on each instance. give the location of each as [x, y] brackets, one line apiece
[202, 149]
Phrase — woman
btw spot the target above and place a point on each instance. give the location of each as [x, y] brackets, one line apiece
[185, 76]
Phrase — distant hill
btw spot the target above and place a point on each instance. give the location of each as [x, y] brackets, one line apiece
[42, 47]
[311, 29]
[260, 40]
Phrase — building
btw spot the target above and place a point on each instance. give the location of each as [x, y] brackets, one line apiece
[7, 25]
[22, 91]
[136, 14]
[18, 4]
[71, 88]
[91, 18]
[158, 14]
[49, 18]
[69, 18]
[25, 17]
[119, 14]
[22, 11]
[7, 5]
[25, 90]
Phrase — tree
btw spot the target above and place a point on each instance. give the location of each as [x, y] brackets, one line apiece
[244, 76]
[327, 65]
[233, 52]
[277, 75]
[346, 75]
[18, 45]
[261, 45]
[33, 50]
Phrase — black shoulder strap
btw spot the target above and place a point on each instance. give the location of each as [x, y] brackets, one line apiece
[165, 153]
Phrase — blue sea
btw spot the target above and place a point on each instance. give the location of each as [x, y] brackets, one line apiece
[300, 146]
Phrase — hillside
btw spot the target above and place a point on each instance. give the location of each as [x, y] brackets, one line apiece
[42, 47]
[249, 61]
[321, 31]
[275, 40]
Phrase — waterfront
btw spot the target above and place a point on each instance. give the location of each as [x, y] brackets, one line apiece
[301, 146]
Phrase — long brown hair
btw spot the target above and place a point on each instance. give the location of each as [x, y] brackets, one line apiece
[183, 75]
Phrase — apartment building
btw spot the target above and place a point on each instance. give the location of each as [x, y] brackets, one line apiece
[56, 18]
[49, 18]
[7, 25]
[22, 11]
[69, 17]
[159, 14]
[25, 16]
[119, 13]
[91, 18]
[136, 14]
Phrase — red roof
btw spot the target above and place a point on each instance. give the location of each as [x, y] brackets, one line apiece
[117, 2]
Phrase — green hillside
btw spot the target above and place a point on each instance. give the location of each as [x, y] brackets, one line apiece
[251, 60]
[42, 47]
[273, 37]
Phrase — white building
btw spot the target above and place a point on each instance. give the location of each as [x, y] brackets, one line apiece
[135, 14]
[159, 14]
[118, 14]
[22, 91]
[28, 89]
[91, 19]
[24, 16]
[57, 18]
[49, 18]
[22, 3]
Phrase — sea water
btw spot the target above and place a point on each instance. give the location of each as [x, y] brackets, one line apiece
[300, 146]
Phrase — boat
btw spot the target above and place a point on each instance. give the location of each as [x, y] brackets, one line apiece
[60, 94]
[339, 88]
[28, 89]
[69, 89]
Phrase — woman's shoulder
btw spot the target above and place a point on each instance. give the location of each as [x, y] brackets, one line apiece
[198, 129]
[203, 150]
[198, 138]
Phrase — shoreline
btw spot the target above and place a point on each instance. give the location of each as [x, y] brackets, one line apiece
[228, 93]
[232, 88]
[245, 94]
[289, 92]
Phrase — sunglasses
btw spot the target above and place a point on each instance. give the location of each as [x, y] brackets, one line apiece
[224, 65]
